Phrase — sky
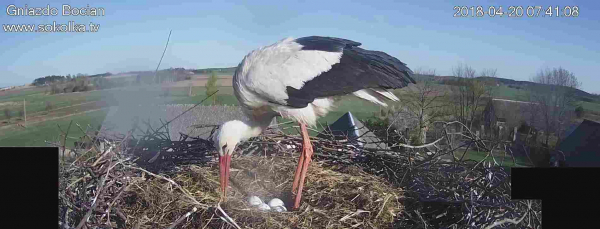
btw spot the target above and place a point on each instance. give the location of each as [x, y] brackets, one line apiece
[423, 34]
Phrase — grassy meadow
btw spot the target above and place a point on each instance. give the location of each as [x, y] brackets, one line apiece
[91, 108]
[45, 112]
[505, 160]
[36, 134]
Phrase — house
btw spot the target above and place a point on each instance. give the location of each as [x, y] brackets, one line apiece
[501, 116]
[350, 128]
[582, 147]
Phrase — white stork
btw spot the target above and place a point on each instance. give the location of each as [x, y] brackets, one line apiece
[297, 79]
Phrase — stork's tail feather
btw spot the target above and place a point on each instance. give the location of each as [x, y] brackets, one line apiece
[378, 96]
[387, 94]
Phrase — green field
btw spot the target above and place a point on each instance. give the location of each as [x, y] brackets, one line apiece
[37, 99]
[595, 107]
[505, 92]
[37, 132]
[505, 160]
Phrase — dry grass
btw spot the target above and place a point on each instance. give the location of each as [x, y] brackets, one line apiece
[333, 197]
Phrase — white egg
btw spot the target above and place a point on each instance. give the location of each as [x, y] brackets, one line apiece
[279, 208]
[275, 202]
[255, 201]
[264, 207]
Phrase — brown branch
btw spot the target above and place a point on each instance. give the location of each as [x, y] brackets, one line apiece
[178, 221]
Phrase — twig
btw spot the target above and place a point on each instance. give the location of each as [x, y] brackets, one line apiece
[65, 139]
[94, 202]
[353, 214]
[421, 146]
[500, 222]
[108, 209]
[176, 117]
[178, 221]
[64, 225]
[422, 220]
[102, 156]
[228, 219]
[185, 192]
[207, 223]
[383, 205]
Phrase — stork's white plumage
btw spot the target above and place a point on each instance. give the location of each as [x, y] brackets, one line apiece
[297, 79]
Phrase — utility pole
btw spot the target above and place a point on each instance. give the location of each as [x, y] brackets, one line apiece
[25, 112]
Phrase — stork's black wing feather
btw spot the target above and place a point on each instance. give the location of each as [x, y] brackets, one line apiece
[358, 69]
[328, 44]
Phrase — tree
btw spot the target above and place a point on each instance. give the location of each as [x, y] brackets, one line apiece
[489, 72]
[48, 80]
[554, 96]
[211, 85]
[469, 93]
[423, 103]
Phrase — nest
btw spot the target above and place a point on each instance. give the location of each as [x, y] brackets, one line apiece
[113, 189]
[151, 181]
[333, 197]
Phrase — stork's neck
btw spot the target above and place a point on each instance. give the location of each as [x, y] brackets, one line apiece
[254, 127]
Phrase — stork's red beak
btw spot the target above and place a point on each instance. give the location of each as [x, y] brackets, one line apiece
[224, 162]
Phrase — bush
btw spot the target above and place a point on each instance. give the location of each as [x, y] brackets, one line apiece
[579, 111]
[540, 156]
[415, 140]
[54, 89]
[379, 127]
[211, 85]
[7, 113]
[48, 106]
[524, 128]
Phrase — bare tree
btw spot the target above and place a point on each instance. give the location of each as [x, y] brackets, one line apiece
[554, 96]
[489, 72]
[422, 103]
[469, 94]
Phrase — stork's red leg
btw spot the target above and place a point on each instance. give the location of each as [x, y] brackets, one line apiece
[298, 171]
[307, 152]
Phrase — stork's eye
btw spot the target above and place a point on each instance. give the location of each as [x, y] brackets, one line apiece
[224, 147]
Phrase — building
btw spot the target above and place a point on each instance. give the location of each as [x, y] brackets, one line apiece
[582, 147]
[350, 128]
[501, 116]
